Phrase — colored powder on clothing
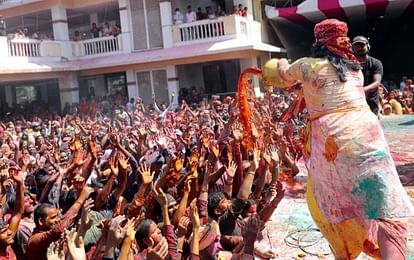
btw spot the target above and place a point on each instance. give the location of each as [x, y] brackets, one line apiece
[380, 154]
[331, 149]
[372, 192]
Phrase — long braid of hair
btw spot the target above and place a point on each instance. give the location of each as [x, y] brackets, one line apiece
[340, 64]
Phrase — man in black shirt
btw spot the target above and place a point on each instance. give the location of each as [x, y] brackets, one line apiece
[372, 70]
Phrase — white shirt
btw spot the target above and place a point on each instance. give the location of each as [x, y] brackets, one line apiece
[402, 85]
[178, 18]
[190, 17]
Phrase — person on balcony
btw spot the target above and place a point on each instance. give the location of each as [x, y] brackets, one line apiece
[190, 16]
[107, 30]
[116, 30]
[77, 36]
[178, 17]
[209, 13]
[240, 10]
[244, 12]
[36, 36]
[220, 11]
[95, 31]
[200, 15]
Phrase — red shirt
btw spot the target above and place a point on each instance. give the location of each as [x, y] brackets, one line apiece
[40, 240]
[10, 254]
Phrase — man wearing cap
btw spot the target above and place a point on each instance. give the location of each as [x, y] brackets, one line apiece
[372, 70]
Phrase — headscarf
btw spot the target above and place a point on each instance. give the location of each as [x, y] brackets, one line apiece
[334, 35]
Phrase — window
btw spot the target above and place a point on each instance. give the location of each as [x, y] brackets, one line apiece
[26, 94]
[116, 83]
[153, 82]
[146, 24]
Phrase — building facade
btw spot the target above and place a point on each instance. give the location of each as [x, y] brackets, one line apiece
[63, 51]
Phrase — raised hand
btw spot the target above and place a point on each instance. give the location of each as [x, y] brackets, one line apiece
[122, 162]
[280, 193]
[183, 225]
[146, 175]
[187, 183]
[161, 141]
[251, 228]
[237, 131]
[141, 131]
[78, 182]
[75, 252]
[92, 147]
[159, 252]
[256, 158]
[86, 216]
[116, 232]
[274, 154]
[231, 169]
[159, 195]
[179, 163]
[15, 174]
[131, 228]
[195, 218]
[55, 252]
[255, 132]
[113, 166]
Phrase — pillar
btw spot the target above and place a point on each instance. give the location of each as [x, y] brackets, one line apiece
[61, 29]
[251, 62]
[132, 84]
[166, 23]
[69, 89]
[173, 84]
[126, 26]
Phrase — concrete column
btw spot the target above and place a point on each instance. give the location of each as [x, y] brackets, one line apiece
[251, 62]
[61, 29]
[173, 83]
[166, 23]
[126, 26]
[69, 89]
[132, 84]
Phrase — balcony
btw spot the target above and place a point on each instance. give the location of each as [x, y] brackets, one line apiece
[221, 28]
[48, 49]
[97, 46]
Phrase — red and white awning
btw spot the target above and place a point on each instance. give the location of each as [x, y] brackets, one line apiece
[313, 11]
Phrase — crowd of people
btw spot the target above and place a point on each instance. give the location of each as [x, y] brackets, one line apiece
[144, 182]
[397, 101]
[209, 13]
[96, 32]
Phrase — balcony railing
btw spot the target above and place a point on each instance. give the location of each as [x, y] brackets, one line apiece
[232, 26]
[24, 48]
[97, 46]
[33, 48]
[46, 48]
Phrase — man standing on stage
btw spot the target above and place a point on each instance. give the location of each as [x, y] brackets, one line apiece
[372, 70]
